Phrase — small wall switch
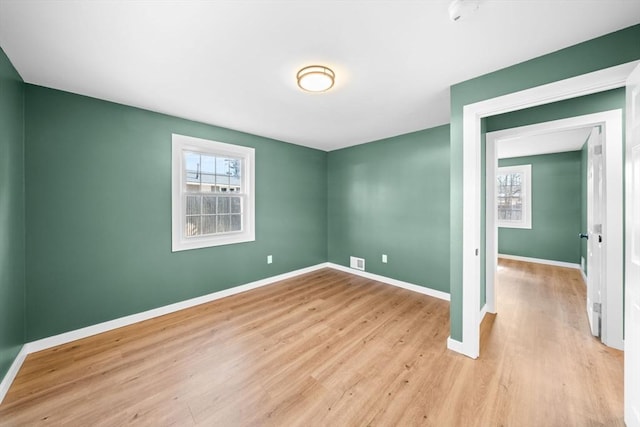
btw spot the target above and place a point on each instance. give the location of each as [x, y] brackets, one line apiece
[269, 259]
[384, 258]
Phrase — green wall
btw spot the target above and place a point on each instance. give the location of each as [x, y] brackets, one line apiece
[12, 225]
[556, 196]
[612, 49]
[598, 102]
[98, 201]
[98, 213]
[602, 101]
[391, 197]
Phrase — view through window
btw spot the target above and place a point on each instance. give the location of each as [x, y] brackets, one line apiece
[514, 196]
[212, 193]
[214, 199]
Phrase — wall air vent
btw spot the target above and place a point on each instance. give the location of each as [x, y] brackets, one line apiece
[357, 263]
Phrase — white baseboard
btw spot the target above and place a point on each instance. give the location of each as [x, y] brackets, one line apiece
[12, 372]
[455, 345]
[67, 337]
[160, 311]
[541, 261]
[458, 346]
[483, 312]
[584, 276]
[394, 282]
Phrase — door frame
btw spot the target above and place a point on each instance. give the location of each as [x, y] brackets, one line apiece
[631, 363]
[585, 84]
[613, 263]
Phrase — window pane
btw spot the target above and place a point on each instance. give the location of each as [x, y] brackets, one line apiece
[208, 204]
[204, 171]
[222, 179]
[510, 197]
[208, 224]
[223, 205]
[223, 224]
[234, 172]
[228, 174]
[233, 167]
[236, 222]
[192, 167]
[192, 226]
[207, 172]
[193, 205]
[208, 164]
[206, 192]
[236, 205]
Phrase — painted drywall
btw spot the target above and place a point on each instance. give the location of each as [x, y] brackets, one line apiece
[598, 102]
[391, 197]
[609, 50]
[12, 225]
[98, 213]
[603, 101]
[556, 199]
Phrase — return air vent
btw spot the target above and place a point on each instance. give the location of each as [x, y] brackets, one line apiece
[357, 263]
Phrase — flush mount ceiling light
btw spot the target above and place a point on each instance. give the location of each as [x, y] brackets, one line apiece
[316, 78]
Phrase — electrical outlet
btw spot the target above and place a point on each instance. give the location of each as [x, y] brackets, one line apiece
[384, 258]
[269, 259]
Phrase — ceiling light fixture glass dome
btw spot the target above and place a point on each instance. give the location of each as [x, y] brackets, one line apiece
[316, 78]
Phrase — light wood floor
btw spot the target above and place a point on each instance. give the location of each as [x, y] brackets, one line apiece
[328, 348]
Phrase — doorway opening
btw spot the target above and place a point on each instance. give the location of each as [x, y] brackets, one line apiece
[602, 133]
[597, 81]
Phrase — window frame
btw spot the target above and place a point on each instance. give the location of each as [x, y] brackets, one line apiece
[525, 171]
[181, 144]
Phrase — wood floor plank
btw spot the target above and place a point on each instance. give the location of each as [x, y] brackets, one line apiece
[329, 348]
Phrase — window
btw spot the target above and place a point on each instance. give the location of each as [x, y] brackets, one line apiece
[212, 193]
[514, 196]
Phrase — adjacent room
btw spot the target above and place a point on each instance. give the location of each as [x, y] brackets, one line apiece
[320, 213]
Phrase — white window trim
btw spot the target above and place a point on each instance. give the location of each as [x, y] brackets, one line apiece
[182, 143]
[525, 222]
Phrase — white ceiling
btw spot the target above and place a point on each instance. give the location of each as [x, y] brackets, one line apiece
[233, 63]
[546, 143]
